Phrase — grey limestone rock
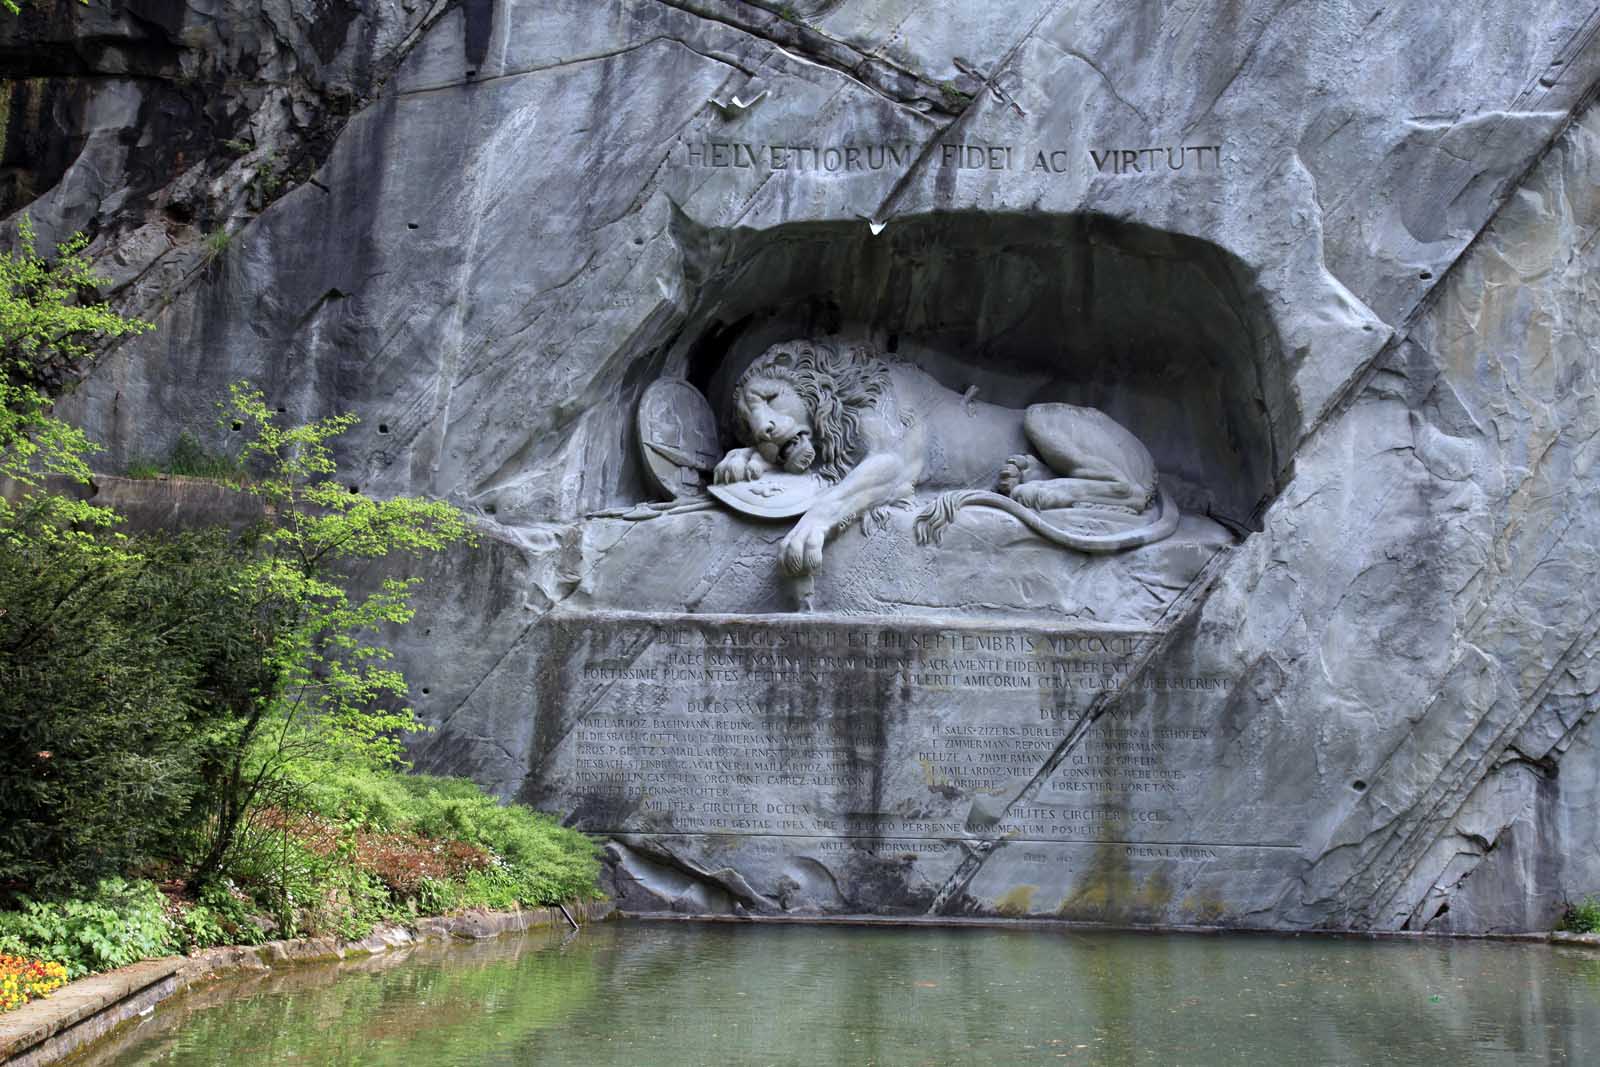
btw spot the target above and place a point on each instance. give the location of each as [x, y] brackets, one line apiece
[1330, 264]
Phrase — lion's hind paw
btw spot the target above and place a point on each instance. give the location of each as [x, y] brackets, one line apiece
[1013, 473]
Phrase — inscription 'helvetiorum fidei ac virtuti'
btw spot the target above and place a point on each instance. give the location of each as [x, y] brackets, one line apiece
[1175, 160]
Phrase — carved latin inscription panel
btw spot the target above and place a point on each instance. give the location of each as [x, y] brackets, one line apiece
[817, 726]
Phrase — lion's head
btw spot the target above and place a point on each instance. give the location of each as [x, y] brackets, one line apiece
[801, 402]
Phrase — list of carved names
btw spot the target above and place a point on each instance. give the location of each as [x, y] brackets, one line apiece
[852, 730]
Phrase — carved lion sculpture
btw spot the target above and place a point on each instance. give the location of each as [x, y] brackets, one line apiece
[875, 432]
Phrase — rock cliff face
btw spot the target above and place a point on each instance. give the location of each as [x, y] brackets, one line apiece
[1333, 263]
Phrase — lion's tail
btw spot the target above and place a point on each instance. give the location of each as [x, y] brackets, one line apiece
[930, 525]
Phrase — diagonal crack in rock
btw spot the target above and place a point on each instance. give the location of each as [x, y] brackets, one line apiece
[1183, 609]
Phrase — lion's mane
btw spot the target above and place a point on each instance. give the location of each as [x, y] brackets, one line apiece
[839, 386]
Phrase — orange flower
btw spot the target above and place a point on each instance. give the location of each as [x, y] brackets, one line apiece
[23, 979]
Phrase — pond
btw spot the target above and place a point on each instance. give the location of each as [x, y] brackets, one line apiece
[683, 993]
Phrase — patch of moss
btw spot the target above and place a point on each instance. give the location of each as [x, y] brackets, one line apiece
[1205, 908]
[1017, 901]
[954, 98]
[1104, 891]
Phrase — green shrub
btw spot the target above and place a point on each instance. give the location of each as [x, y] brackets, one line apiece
[121, 923]
[1582, 917]
[360, 903]
[317, 885]
[219, 917]
[189, 458]
[538, 861]
[200, 927]
[435, 896]
[216, 244]
[288, 881]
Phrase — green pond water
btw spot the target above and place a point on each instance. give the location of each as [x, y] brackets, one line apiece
[674, 993]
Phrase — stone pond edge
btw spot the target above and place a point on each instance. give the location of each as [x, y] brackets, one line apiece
[1079, 926]
[47, 1030]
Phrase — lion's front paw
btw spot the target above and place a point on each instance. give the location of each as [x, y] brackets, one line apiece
[801, 552]
[740, 465]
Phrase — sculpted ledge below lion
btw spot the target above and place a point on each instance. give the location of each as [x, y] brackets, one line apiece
[876, 432]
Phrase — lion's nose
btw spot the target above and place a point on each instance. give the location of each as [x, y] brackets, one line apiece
[771, 428]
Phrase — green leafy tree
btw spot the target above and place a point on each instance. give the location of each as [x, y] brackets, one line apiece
[50, 325]
[152, 687]
[314, 686]
[88, 723]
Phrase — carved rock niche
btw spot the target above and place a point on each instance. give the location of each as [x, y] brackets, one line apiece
[1165, 334]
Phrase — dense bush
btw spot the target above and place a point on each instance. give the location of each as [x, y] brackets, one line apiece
[158, 693]
[534, 859]
[95, 753]
[189, 458]
[221, 916]
[122, 922]
[1582, 917]
[108, 657]
[370, 846]
[357, 846]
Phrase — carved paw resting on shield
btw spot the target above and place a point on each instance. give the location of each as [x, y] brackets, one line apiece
[741, 465]
[801, 552]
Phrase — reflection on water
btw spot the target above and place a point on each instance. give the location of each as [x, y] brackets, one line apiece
[659, 994]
